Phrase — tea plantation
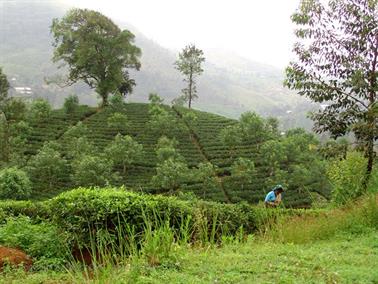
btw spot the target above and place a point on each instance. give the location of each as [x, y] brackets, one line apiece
[198, 141]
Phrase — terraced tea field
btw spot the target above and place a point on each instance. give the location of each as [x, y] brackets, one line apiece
[198, 142]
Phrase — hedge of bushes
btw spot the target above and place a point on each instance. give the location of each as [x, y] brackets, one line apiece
[86, 211]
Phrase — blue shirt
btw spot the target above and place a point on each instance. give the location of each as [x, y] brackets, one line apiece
[270, 197]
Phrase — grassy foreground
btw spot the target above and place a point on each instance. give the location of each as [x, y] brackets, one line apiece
[343, 259]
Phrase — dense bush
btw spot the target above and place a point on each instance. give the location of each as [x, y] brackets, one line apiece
[71, 104]
[34, 210]
[347, 176]
[83, 210]
[42, 241]
[40, 109]
[92, 171]
[14, 184]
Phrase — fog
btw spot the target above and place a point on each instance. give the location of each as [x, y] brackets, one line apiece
[259, 30]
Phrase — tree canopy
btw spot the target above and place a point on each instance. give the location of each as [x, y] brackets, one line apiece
[96, 51]
[336, 65]
[189, 64]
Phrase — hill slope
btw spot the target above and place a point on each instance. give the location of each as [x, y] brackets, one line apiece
[198, 142]
[230, 84]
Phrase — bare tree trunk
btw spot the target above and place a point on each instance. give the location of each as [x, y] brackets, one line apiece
[190, 88]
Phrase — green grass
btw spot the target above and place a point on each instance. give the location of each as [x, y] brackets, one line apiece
[342, 259]
[347, 254]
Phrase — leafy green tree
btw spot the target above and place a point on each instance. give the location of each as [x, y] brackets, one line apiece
[40, 109]
[117, 103]
[46, 168]
[96, 51]
[76, 131]
[118, 121]
[78, 147]
[230, 136]
[124, 151]
[14, 184]
[92, 171]
[334, 149]
[4, 87]
[71, 104]
[189, 64]
[206, 174]
[161, 122]
[171, 170]
[337, 61]
[243, 170]
[12, 113]
[170, 175]
[166, 149]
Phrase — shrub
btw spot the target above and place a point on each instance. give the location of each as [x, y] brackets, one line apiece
[40, 109]
[346, 177]
[93, 210]
[171, 174]
[34, 210]
[14, 184]
[92, 171]
[124, 151]
[46, 167]
[118, 121]
[71, 104]
[42, 241]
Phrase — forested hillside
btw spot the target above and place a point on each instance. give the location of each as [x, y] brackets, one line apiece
[228, 87]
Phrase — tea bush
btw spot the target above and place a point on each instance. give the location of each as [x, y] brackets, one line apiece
[82, 210]
[14, 184]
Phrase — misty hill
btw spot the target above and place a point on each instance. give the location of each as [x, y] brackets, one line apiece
[229, 86]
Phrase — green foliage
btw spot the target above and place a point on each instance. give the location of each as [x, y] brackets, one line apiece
[189, 64]
[333, 69]
[96, 50]
[346, 177]
[206, 174]
[117, 103]
[4, 86]
[83, 210]
[166, 149]
[92, 171]
[46, 167]
[124, 151]
[43, 242]
[71, 104]
[334, 149]
[14, 184]
[119, 122]
[243, 170]
[40, 110]
[170, 175]
[161, 122]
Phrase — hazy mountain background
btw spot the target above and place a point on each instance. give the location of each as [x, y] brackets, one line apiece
[229, 86]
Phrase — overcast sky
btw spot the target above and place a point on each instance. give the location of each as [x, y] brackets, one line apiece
[257, 29]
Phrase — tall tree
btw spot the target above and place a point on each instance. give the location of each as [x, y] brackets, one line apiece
[96, 51]
[337, 62]
[189, 64]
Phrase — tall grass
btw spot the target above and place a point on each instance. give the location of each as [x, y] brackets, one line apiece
[157, 245]
[354, 218]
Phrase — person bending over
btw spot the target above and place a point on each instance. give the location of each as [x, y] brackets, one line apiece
[273, 198]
